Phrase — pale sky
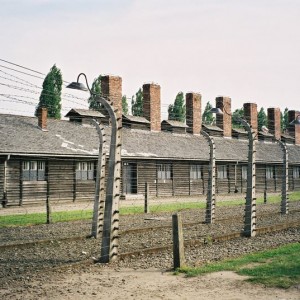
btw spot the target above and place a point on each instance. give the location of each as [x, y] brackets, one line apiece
[248, 50]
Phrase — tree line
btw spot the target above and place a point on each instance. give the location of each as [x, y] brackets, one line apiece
[51, 98]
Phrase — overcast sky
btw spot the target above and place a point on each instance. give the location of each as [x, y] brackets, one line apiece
[248, 50]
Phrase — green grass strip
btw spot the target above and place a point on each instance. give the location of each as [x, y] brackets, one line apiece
[274, 268]
[40, 218]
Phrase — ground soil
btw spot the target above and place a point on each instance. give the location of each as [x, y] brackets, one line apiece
[107, 283]
[41, 271]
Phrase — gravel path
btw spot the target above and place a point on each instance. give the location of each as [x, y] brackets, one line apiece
[21, 264]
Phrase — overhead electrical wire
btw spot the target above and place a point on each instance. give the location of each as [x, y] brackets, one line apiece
[26, 86]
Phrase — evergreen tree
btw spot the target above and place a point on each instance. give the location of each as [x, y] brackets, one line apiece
[207, 116]
[284, 119]
[236, 115]
[95, 89]
[51, 93]
[176, 111]
[124, 105]
[262, 119]
[137, 104]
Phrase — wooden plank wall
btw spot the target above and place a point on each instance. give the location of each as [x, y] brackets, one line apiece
[1, 178]
[278, 181]
[63, 185]
[291, 179]
[85, 190]
[13, 182]
[179, 185]
[295, 181]
[199, 186]
[231, 178]
[34, 192]
[165, 188]
[146, 172]
[296, 184]
[221, 184]
[61, 180]
[181, 176]
[241, 182]
[260, 179]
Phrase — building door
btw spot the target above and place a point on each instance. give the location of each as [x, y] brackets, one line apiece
[129, 178]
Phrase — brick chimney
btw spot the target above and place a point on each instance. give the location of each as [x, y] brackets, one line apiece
[42, 118]
[111, 87]
[193, 113]
[294, 130]
[151, 106]
[250, 113]
[224, 121]
[274, 125]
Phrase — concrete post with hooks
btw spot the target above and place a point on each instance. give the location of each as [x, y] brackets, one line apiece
[285, 179]
[110, 234]
[250, 210]
[99, 203]
[211, 192]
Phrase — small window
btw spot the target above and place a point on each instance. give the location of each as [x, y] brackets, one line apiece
[33, 170]
[244, 172]
[222, 172]
[269, 172]
[84, 171]
[296, 172]
[26, 171]
[164, 171]
[90, 170]
[41, 170]
[196, 172]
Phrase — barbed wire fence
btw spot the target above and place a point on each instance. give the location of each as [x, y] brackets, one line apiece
[168, 185]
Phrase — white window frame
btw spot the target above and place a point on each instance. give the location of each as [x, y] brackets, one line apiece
[296, 172]
[26, 165]
[269, 172]
[164, 171]
[33, 170]
[244, 172]
[196, 172]
[41, 165]
[222, 172]
[85, 170]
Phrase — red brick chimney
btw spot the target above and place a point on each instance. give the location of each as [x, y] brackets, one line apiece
[42, 118]
[151, 106]
[250, 113]
[224, 121]
[294, 130]
[274, 125]
[111, 87]
[193, 113]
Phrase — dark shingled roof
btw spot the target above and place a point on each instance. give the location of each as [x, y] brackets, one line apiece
[175, 123]
[136, 119]
[84, 113]
[20, 135]
[239, 130]
[266, 134]
[212, 127]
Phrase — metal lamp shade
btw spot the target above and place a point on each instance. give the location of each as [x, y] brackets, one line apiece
[296, 121]
[217, 111]
[77, 86]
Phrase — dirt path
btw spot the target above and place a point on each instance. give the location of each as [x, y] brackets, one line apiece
[102, 283]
